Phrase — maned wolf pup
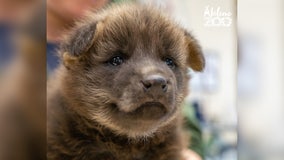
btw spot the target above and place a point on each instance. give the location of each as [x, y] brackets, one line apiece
[117, 94]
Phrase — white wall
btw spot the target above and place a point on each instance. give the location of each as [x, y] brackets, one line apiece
[262, 114]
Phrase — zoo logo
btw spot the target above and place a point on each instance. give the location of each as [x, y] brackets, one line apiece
[216, 17]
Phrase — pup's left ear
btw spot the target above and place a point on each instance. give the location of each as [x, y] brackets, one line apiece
[195, 58]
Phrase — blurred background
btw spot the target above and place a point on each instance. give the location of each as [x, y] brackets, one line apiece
[261, 79]
[22, 80]
[235, 109]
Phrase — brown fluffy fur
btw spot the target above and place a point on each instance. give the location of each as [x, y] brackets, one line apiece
[100, 111]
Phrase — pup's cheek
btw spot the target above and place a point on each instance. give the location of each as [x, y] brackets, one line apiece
[171, 101]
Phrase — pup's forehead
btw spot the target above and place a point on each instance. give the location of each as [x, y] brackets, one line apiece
[138, 27]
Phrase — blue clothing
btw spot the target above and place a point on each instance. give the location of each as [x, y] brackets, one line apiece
[52, 59]
[6, 45]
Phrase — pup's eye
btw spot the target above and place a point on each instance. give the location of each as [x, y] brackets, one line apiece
[170, 63]
[115, 61]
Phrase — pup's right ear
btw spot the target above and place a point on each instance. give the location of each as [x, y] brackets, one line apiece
[77, 43]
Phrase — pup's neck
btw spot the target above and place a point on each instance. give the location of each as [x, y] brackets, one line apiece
[87, 129]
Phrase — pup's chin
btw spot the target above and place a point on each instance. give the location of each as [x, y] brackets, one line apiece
[149, 111]
[146, 112]
[143, 121]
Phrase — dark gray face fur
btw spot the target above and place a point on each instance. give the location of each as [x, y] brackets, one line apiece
[127, 69]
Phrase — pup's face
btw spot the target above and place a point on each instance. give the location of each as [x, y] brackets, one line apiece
[127, 69]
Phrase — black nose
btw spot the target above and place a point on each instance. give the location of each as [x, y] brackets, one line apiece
[156, 83]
